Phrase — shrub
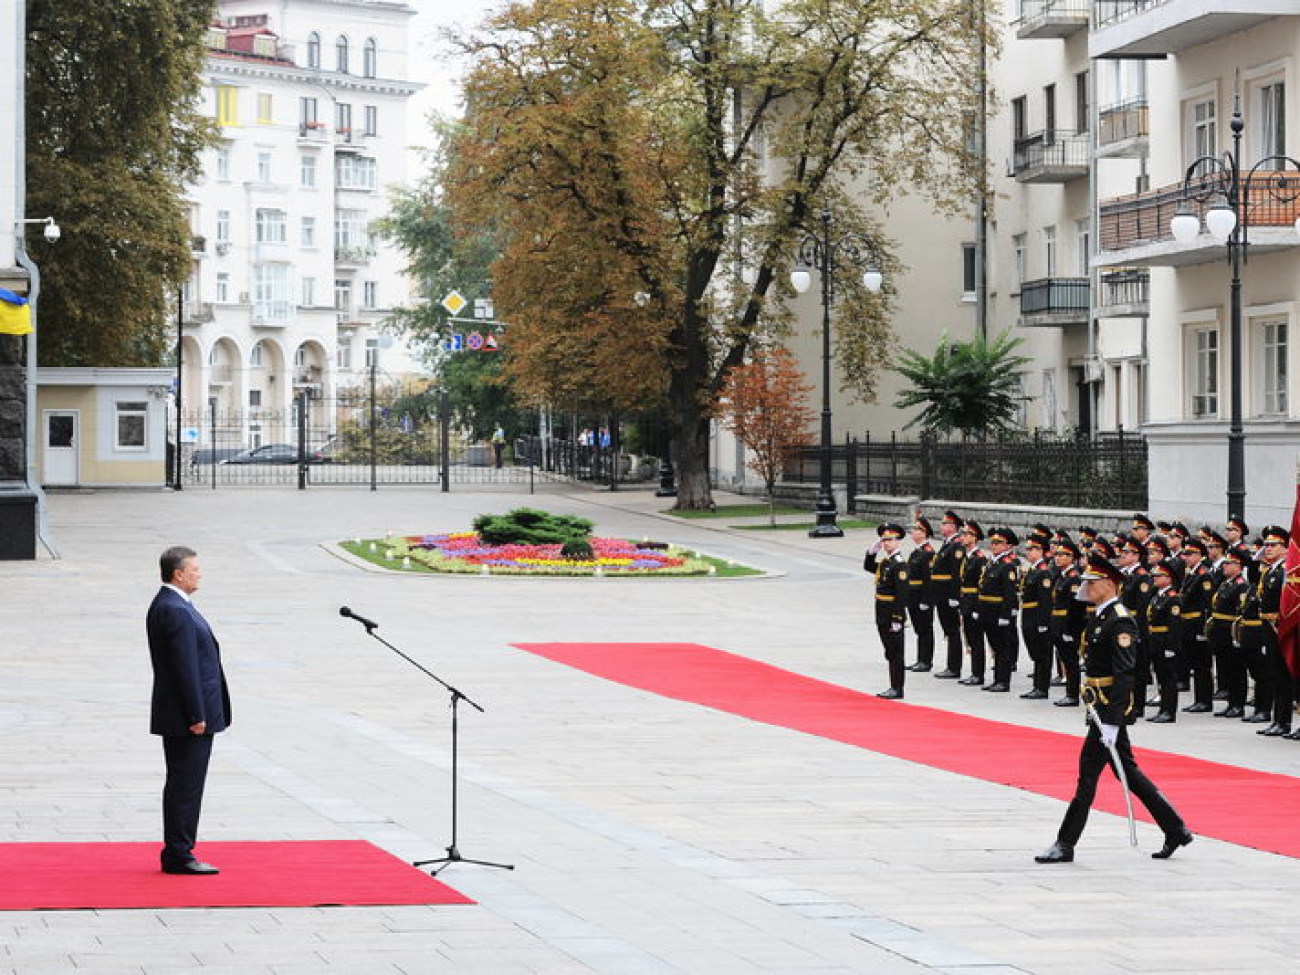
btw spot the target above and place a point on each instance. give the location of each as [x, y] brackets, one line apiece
[528, 526]
[577, 550]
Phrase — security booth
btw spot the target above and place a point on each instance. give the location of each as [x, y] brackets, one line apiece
[102, 427]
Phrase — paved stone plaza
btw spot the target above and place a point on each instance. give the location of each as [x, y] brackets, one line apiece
[649, 835]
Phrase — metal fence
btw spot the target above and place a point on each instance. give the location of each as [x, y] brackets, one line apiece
[1109, 471]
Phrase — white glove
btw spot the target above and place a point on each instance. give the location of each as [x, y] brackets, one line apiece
[1201, 638]
[895, 627]
[1042, 629]
[923, 607]
[974, 616]
[1109, 733]
[1067, 639]
[1004, 622]
[954, 603]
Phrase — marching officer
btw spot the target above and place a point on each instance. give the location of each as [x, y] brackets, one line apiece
[1068, 618]
[1036, 615]
[920, 600]
[1223, 629]
[972, 569]
[1197, 596]
[945, 587]
[1165, 632]
[891, 601]
[999, 599]
[1268, 596]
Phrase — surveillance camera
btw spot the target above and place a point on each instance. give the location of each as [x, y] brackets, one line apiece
[52, 232]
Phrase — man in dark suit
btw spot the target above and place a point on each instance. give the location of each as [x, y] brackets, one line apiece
[190, 704]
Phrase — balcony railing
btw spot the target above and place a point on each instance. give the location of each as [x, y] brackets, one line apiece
[1155, 28]
[1125, 292]
[1050, 157]
[1056, 301]
[1051, 18]
[1107, 12]
[1119, 127]
[272, 312]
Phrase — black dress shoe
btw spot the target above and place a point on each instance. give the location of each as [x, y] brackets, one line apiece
[1058, 853]
[947, 675]
[919, 668]
[997, 688]
[1233, 712]
[1198, 707]
[1274, 731]
[1172, 843]
[1066, 702]
[1292, 736]
[1164, 717]
[892, 694]
[1258, 717]
[1034, 695]
[1058, 682]
[972, 681]
[194, 868]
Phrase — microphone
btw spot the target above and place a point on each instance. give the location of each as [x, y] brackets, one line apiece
[368, 624]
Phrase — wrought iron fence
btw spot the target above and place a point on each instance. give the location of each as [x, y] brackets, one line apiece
[1109, 471]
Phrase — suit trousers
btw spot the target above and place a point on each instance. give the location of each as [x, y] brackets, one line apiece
[187, 770]
[923, 624]
[1094, 757]
[950, 622]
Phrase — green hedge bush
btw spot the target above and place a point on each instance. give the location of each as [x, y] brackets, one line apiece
[528, 526]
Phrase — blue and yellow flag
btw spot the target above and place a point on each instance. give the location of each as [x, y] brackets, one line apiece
[15, 314]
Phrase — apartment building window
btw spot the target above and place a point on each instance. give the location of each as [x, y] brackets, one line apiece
[1049, 250]
[309, 292]
[344, 355]
[341, 55]
[271, 292]
[343, 296]
[1049, 113]
[300, 357]
[255, 357]
[1049, 399]
[343, 117]
[1202, 137]
[372, 353]
[308, 113]
[270, 226]
[370, 294]
[223, 286]
[227, 105]
[1019, 119]
[1272, 335]
[1019, 243]
[307, 232]
[370, 58]
[969, 269]
[355, 173]
[131, 426]
[307, 172]
[223, 164]
[254, 398]
[223, 226]
[264, 108]
[1272, 120]
[1082, 102]
[372, 119]
[1205, 372]
[264, 166]
[313, 50]
[349, 229]
[1083, 241]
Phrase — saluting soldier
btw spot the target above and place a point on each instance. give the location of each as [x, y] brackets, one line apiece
[1223, 629]
[1268, 593]
[1068, 618]
[1036, 615]
[972, 569]
[1109, 650]
[1197, 596]
[891, 601]
[945, 586]
[920, 599]
[999, 599]
[1165, 632]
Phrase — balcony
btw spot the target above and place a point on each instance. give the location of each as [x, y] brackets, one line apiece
[197, 312]
[1122, 131]
[272, 313]
[1051, 302]
[1051, 18]
[1155, 28]
[352, 256]
[1134, 230]
[313, 133]
[1050, 157]
[1125, 293]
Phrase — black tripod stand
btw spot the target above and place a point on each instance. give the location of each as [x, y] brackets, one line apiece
[453, 852]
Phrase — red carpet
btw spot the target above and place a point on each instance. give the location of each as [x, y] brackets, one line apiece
[1249, 808]
[72, 876]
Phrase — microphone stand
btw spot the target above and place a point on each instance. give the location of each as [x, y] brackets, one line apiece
[453, 851]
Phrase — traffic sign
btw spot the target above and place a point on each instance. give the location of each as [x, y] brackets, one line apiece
[454, 302]
[454, 343]
[474, 340]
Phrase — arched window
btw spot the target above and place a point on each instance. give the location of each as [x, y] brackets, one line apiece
[313, 50]
[341, 49]
[370, 59]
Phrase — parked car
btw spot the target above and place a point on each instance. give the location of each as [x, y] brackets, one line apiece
[273, 453]
[212, 455]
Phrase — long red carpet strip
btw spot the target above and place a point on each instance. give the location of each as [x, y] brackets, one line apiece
[1250, 808]
[74, 876]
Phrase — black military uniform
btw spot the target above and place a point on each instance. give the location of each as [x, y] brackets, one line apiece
[1135, 593]
[999, 599]
[1197, 596]
[1068, 618]
[971, 570]
[1036, 616]
[920, 600]
[945, 587]
[1222, 630]
[1108, 658]
[891, 605]
[1264, 605]
[1165, 632]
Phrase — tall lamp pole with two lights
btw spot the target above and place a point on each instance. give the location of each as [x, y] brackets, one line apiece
[820, 251]
[1218, 180]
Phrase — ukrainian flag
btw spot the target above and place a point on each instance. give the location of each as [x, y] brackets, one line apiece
[15, 314]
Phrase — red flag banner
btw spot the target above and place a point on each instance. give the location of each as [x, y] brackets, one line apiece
[1288, 621]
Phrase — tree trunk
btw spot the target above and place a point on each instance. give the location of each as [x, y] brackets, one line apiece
[691, 460]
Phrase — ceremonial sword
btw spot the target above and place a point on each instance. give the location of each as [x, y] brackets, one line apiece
[1120, 774]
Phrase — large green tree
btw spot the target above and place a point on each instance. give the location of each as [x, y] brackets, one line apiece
[113, 136]
[639, 159]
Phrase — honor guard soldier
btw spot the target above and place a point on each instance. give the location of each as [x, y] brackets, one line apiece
[1143, 528]
[1108, 656]
[1198, 595]
[1158, 553]
[920, 600]
[999, 599]
[1135, 592]
[1087, 538]
[1224, 630]
[972, 570]
[1216, 549]
[1267, 594]
[1068, 618]
[891, 601]
[945, 587]
[1165, 632]
[1036, 614]
[1237, 532]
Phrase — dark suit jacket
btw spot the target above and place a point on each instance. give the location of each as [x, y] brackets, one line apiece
[189, 685]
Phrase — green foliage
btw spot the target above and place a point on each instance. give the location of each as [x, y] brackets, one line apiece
[112, 139]
[577, 550]
[528, 526]
[972, 388]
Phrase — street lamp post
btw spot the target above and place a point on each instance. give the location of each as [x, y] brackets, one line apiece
[819, 252]
[1218, 179]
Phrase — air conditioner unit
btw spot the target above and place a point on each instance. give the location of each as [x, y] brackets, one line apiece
[1092, 369]
[223, 247]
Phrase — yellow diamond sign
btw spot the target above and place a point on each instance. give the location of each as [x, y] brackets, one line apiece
[454, 302]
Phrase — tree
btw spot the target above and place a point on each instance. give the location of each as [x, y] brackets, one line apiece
[969, 387]
[632, 155]
[113, 136]
[765, 404]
